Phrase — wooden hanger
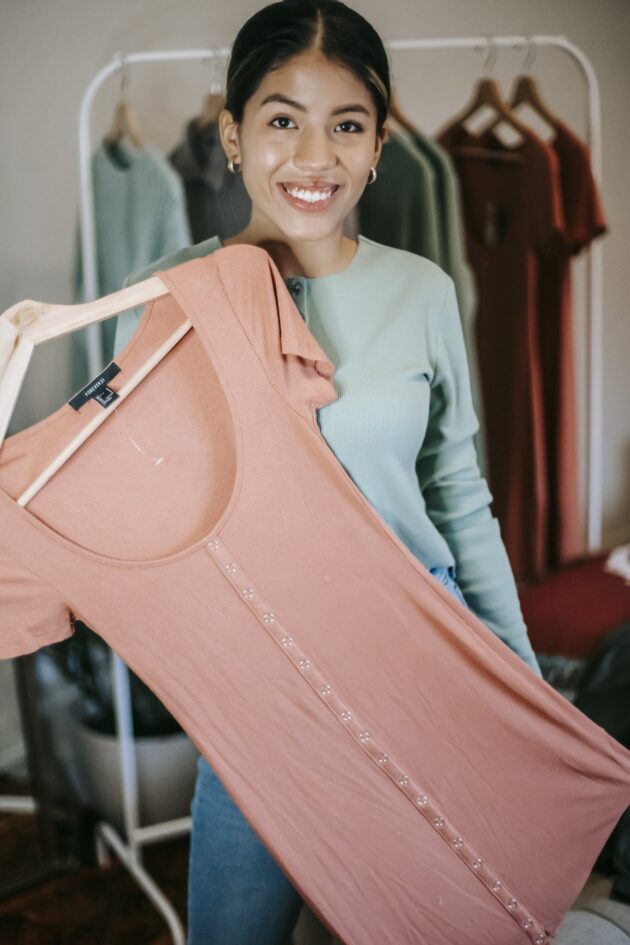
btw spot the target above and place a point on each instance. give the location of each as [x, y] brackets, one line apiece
[126, 123]
[214, 101]
[487, 92]
[526, 90]
[212, 105]
[398, 115]
[28, 323]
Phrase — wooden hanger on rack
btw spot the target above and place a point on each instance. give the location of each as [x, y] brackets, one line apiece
[487, 92]
[212, 105]
[126, 123]
[398, 115]
[28, 323]
[526, 91]
[214, 101]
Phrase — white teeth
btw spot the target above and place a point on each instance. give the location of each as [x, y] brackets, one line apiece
[310, 196]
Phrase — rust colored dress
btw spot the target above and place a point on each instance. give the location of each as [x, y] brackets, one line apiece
[513, 218]
[415, 779]
[584, 221]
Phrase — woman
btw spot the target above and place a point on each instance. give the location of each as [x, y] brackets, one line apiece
[308, 92]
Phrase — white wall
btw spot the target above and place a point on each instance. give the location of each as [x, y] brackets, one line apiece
[50, 51]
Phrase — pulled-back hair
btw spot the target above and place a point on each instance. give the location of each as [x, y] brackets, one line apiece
[282, 30]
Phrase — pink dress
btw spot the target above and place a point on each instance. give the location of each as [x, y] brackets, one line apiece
[413, 777]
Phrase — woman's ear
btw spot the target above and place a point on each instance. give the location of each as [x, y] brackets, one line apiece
[228, 130]
[380, 139]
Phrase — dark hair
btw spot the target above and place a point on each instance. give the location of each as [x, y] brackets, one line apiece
[282, 30]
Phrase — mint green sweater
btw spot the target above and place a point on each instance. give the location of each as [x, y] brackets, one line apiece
[403, 422]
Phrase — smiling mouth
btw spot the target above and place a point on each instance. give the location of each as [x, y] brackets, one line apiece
[311, 196]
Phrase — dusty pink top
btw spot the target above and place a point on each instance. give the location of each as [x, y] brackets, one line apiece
[414, 778]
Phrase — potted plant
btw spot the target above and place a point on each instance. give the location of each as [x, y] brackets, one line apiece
[165, 755]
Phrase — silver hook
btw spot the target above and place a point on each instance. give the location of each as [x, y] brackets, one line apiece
[491, 57]
[216, 85]
[123, 65]
[530, 56]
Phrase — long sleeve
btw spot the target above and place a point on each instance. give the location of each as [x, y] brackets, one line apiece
[457, 496]
[172, 231]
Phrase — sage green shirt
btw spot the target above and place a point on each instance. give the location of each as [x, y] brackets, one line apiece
[403, 423]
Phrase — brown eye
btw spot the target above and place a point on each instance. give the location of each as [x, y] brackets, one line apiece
[356, 125]
[280, 118]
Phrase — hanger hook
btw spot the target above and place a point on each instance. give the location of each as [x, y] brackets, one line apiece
[491, 55]
[216, 85]
[123, 65]
[530, 55]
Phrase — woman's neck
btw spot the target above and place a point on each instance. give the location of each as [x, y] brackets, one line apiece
[310, 258]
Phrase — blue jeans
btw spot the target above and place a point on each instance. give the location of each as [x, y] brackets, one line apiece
[237, 893]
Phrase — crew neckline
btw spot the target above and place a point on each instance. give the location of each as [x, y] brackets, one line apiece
[479, 139]
[360, 241]
[130, 151]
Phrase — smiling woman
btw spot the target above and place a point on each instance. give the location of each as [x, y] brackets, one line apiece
[308, 94]
[304, 121]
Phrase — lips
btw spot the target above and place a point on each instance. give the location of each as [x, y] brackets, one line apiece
[316, 190]
[313, 184]
[314, 195]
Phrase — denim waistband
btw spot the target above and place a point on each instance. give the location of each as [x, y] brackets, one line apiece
[447, 576]
[442, 572]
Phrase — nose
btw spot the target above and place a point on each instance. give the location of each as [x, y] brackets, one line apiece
[314, 151]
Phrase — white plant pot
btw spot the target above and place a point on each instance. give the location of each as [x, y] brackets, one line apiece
[166, 766]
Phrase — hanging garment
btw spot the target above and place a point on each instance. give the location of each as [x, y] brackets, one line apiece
[350, 225]
[417, 783]
[452, 255]
[453, 260]
[400, 208]
[584, 220]
[513, 217]
[216, 200]
[403, 423]
[412, 205]
[139, 215]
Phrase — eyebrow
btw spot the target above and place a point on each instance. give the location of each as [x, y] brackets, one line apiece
[277, 97]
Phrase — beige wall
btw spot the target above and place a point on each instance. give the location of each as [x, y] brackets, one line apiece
[51, 50]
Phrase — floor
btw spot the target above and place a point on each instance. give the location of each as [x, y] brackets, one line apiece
[76, 908]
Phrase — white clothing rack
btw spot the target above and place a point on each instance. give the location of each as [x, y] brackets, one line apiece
[130, 851]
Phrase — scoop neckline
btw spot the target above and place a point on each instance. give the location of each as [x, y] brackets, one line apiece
[65, 409]
[358, 253]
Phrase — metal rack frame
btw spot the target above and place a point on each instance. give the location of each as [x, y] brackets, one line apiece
[107, 838]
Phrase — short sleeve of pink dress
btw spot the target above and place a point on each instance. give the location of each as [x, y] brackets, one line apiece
[32, 614]
[413, 777]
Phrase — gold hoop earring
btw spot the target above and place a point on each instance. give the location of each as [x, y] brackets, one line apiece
[232, 167]
[372, 175]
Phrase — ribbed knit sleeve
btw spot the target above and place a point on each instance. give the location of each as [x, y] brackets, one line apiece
[456, 494]
[127, 322]
[32, 614]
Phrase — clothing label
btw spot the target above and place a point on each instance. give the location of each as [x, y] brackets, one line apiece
[97, 389]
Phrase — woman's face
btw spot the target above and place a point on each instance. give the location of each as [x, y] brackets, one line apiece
[306, 144]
